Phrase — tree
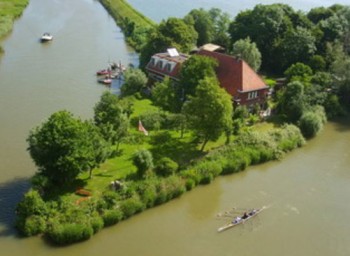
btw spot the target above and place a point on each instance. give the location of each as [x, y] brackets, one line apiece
[143, 160]
[63, 146]
[134, 81]
[312, 121]
[264, 25]
[298, 45]
[203, 24]
[111, 118]
[173, 32]
[299, 72]
[319, 13]
[248, 51]
[166, 95]
[209, 111]
[195, 69]
[221, 21]
[292, 102]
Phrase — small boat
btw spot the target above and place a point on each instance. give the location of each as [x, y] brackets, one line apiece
[46, 37]
[103, 72]
[106, 81]
[241, 219]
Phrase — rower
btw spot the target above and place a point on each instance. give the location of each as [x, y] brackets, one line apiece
[245, 215]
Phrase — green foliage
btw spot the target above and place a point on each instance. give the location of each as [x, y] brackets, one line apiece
[166, 166]
[292, 103]
[111, 118]
[134, 81]
[298, 70]
[166, 95]
[248, 51]
[68, 233]
[194, 70]
[97, 223]
[311, 122]
[111, 217]
[32, 204]
[210, 111]
[34, 225]
[317, 63]
[64, 146]
[143, 160]
[173, 32]
[131, 206]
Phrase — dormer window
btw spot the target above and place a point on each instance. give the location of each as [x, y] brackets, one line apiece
[153, 61]
[160, 64]
[168, 67]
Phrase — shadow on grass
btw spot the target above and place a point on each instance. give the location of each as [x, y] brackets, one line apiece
[11, 193]
[56, 192]
[179, 150]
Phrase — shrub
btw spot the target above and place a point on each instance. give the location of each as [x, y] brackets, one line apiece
[310, 124]
[166, 167]
[96, 223]
[143, 160]
[190, 184]
[69, 233]
[111, 217]
[110, 199]
[34, 225]
[32, 204]
[147, 192]
[131, 206]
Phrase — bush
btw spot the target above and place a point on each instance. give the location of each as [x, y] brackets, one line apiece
[131, 206]
[143, 160]
[166, 167]
[310, 124]
[110, 199]
[147, 192]
[190, 184]
[96, 223]
[34, 225]
[111, 217]
[68, 233]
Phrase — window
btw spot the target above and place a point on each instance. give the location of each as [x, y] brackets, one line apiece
[160, 64]
[168, 67]
[153, 61]
[252, 95]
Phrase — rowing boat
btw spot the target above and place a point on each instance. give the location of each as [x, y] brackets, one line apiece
[241, 220]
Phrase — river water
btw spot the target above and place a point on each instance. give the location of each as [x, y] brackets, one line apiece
[307, 192]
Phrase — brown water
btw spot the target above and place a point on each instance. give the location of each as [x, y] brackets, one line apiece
[307, 192]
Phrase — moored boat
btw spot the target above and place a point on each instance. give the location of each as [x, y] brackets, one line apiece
[241, 219]
[103, 72]
[106, 81]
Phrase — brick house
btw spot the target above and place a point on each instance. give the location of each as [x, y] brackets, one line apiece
[239, 79]
[244, 85]
[165, 64]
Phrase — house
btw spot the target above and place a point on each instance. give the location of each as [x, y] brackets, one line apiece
[165, 64]
[244, 85]
[239, 79]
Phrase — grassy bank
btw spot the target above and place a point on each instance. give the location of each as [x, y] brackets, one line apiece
[9, 11]
[133, 23]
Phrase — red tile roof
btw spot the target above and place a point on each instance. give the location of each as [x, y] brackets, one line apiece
[235, 75]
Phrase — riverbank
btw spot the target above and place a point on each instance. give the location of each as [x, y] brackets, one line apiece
[9, 11]
[134, 24]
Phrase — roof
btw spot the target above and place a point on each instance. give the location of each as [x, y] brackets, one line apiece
[211, 47]
[234, 74]
[166, 63]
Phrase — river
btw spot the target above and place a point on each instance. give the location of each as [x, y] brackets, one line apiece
[307, 192]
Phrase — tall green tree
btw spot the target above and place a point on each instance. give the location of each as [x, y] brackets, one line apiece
[209, 111]
[195, 69]
[292, 101]
[64, 146]
[203, 24]
[134, 81]
[167, 96]
[248, 51]
[111, 118]
[173, 32]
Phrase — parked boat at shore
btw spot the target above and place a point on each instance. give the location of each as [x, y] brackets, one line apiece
[241, 219]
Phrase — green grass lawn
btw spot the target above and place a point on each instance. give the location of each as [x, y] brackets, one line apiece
[9, 11]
